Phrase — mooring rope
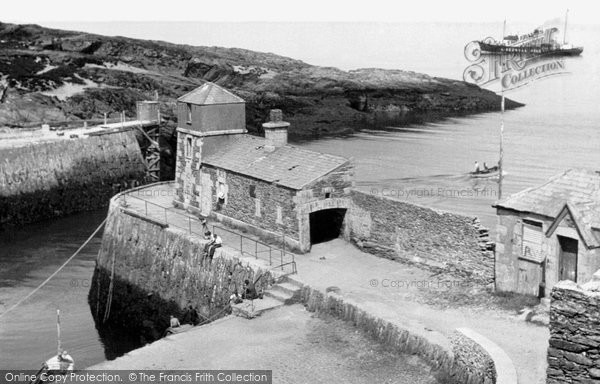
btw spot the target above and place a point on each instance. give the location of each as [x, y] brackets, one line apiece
[110, 290]
[56, 272]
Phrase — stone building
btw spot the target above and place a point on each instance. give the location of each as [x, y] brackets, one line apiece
[549, 233]
[261, 184]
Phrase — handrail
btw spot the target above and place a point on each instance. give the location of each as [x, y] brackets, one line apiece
[282, 254]
[284, 258]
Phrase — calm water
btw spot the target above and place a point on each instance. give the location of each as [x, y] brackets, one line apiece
[556, 130]
[27, 258]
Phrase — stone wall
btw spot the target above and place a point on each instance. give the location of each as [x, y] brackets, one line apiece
[241, 205]
[407, 232]
[158, 271]
[455, 360]
[56, 178]
[574, 346]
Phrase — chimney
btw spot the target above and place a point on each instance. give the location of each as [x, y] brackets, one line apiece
[276, 130]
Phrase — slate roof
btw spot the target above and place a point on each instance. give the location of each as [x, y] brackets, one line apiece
[208, 94]
[578, 189]
[288, 166]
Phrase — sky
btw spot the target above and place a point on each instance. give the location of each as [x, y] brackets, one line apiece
[38, 11]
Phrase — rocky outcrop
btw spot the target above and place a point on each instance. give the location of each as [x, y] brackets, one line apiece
[41, 65]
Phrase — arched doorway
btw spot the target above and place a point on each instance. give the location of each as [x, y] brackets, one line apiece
[326, 224]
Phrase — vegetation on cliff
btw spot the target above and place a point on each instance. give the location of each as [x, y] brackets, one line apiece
[52, 75]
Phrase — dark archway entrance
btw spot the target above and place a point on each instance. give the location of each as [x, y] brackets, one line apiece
[326, 224]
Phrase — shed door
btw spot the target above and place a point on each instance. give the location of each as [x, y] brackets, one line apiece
[568, 259]
[530, 277]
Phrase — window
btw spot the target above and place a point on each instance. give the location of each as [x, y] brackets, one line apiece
[279, 215]
[532, 241]
[327, 195]
[189, 113]
[252, 190]
[188, 147]
[257, 207]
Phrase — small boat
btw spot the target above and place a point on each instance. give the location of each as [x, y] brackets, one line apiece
[487, 172]
[59, 364]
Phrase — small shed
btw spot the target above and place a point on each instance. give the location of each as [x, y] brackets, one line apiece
[549, 233]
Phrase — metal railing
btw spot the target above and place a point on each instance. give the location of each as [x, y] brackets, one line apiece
[276, 257]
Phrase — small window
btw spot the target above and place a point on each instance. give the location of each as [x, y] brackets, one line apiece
[252, 190]
[327, 195]
[189, 113]
[257, 208]
[188, 147]
[532, 241]
[279, 215]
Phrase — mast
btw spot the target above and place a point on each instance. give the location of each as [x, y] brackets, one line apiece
[565, 31]
[58, 331]
[501, 160]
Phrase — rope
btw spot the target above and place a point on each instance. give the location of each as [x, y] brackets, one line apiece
[110, 290]
[56, 272]
[215, 316]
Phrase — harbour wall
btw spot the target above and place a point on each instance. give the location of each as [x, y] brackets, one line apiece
[156, 271]
[407, 232]
[147, 271]
[55, 178]
[574, 345]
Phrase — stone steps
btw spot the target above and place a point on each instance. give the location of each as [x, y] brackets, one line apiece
[278, 295]
[253, 308]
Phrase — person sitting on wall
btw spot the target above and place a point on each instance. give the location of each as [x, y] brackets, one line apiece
[249, 291]
[477, 169]
[235, 298]
[174, 322]
[211, 239]
[217, 243]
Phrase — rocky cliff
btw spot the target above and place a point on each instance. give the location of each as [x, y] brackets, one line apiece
[52, 75]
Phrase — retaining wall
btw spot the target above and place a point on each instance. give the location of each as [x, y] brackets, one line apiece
[401, 231]
[57, 178]
[456, 358]
[159, 271]
[574, 350]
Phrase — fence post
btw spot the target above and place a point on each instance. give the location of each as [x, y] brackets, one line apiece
[282, 260]
[146, 204]
[256, 249]
[270, 259]
[241, 245]
[190, 224]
